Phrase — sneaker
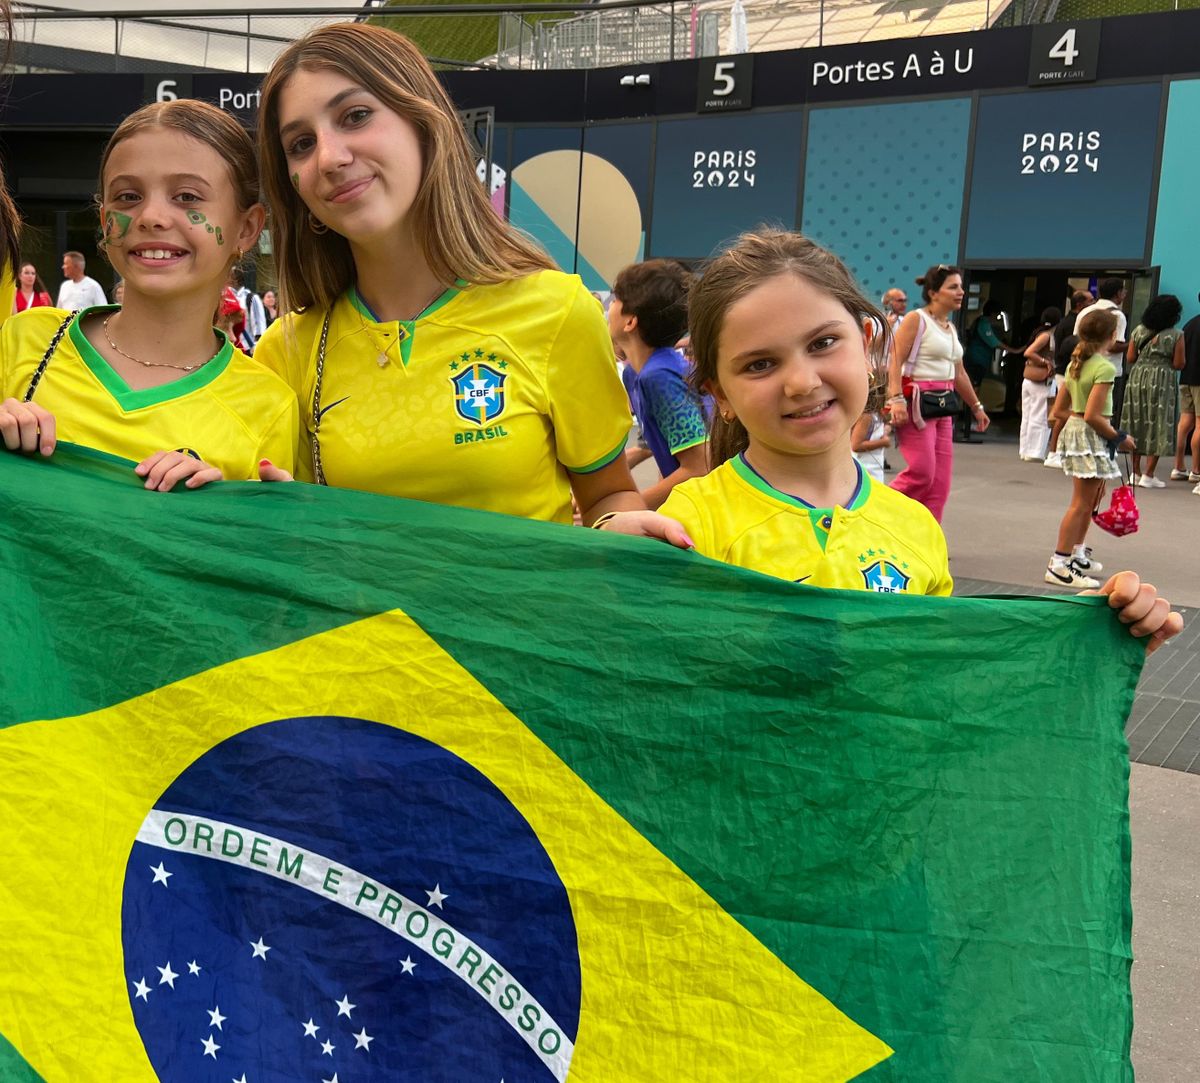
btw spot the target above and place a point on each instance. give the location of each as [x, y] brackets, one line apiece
[1147, 482]
[1134, 479]
[1069, 575]
[1193, 476]
[1054, 459]
[1196, 491]
[1085, 563]
[1183, 475]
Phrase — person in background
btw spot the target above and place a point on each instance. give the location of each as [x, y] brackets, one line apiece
[78, 290]
[1112, 297]
[895, 305]
[647, 315]
[1037, 388]
[983, 340]
[270, 307]
[928, 356]
[1064, 343]
[1189, 407]
[1154, 355]
[255, 322]
[31, 291]
[869, 440]
[1089, 445]
[118, 292]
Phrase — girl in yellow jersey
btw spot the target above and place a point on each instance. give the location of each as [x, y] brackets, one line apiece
[785, 343]
[435, 352]
[152, 381]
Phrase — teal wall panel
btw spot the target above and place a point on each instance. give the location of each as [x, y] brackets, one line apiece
[883, 187]
[1177, 223]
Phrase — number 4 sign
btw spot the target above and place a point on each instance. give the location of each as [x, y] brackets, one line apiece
[1064, 53]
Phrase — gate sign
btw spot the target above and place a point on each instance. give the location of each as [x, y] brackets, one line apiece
[1064, 53]
[725, 83]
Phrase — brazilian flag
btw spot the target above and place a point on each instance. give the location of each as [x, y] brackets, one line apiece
[312, 785]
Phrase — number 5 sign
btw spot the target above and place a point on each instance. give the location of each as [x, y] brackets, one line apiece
[1064, 53]
[724, 83]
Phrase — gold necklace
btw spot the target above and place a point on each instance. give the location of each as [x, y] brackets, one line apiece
[383, 360]
[156, 364]
[942, 321]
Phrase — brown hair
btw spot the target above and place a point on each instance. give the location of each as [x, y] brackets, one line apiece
[656, 292]
[10, 220]
[459, 233]
[213, 127]
[1094, 331]
[935, 278]
[753, 259]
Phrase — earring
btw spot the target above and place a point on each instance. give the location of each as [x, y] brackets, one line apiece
[316, 225]
[237, 255]
[727, 416]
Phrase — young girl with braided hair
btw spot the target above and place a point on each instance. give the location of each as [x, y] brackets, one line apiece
[1088, 445]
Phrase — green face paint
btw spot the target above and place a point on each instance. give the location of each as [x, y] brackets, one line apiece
[116, 225]
[296, 181]
[198, 219]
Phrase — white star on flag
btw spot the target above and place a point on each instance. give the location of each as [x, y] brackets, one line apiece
[168, 975]
[194, 968]
[142, 989]
[260, 949]
[333, 1080]
[160, 874]
[216, 1018]
[210, 1047]
[242, 1079]
[327, 1048]
[363, 1040]
[437, 896]
[310, 1028]
[344, 1006]
[407, 966]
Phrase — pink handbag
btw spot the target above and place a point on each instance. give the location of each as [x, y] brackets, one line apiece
[1121, 516]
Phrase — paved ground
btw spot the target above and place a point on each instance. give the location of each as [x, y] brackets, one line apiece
[1001, 524]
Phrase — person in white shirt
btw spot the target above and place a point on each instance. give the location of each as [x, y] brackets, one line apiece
[1112, 296]
[255, 322]
[78, 291]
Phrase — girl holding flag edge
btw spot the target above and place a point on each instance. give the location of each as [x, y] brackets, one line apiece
[787, 346]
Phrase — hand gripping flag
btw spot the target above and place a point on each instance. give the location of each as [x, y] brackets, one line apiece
[301, 784]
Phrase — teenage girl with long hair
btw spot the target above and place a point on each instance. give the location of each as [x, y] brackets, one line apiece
[435, 352]
[151, 380]
[1088, 444]
[786, 344]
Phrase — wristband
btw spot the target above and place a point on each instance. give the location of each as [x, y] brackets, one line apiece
[608, 516]
[894, 399]
[976, 406]
[1116, 441]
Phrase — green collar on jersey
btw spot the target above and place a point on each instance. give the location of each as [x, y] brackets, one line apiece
[128, 398]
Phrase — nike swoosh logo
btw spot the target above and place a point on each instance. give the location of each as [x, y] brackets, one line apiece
[326, 409]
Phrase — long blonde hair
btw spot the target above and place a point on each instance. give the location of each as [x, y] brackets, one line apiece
[459, 233]
[753, 259]
[1094, 331]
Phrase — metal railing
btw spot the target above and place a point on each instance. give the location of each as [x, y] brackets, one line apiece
[504, 35]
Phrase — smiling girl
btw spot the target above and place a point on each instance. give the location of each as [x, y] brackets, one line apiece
[434, 351]
[784, 341]
[152, 381]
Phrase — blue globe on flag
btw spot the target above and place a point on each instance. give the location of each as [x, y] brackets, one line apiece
[336, 900]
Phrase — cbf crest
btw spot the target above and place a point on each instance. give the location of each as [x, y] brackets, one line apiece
[479, 394]
[884, 577]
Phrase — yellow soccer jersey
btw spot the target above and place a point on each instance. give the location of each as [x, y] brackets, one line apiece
[8, 292]
[881, 541]
[231, 412]
[486, 400]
